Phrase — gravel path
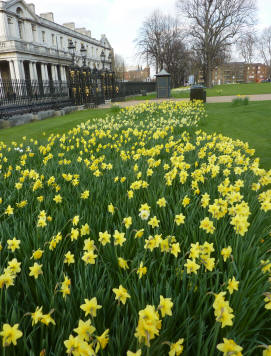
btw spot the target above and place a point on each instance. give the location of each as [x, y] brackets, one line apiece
[210, 99]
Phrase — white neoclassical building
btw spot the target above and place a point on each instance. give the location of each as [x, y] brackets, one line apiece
[34, 47]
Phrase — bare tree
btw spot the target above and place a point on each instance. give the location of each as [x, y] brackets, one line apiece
[247, 46]
[160, 43]
[149, 40]
[213, 27]
[176, 59]
[264, 44]
[119, 67]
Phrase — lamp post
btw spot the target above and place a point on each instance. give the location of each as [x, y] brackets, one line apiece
[123, 71]
[71, 48]
[83, 52]
[110, 60]
[102, 58]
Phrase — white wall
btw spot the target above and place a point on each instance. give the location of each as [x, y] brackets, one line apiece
[11, 32]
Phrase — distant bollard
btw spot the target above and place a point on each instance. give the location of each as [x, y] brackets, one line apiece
[143, 92]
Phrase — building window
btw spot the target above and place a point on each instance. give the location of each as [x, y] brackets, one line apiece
[19, 11]
[34, 32]
[20, 26]
[43, 36]
[10, 26]
[53, 39]
[61, 42]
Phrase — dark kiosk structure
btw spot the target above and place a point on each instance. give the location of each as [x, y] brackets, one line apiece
[163, 84]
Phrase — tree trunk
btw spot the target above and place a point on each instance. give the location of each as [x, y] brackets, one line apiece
[208, 76]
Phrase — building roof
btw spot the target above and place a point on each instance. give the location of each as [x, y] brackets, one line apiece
[163, 73]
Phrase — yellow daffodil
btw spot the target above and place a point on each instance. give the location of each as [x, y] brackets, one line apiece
[90, 307]
[121, 294]
[35, 270]
[10, 334]
[229, 347]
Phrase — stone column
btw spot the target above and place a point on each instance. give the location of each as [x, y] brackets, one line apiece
[64, 80]
[44, 72]
[63, 73]
[43, 77]
[12, 70]
[31, 71]
[19, 69]
[54, 72]
[35, 70]
[22, 69]
[13, 87]
[36, 86]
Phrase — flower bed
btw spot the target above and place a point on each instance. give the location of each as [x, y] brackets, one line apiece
[135, 235]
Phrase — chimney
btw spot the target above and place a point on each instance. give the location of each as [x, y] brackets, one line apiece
[70, 25]
[82, 30]
[31, 7]
[48, 16]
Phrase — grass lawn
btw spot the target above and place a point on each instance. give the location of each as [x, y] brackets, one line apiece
[250, 123]
[218, 90]
[242, 89]
[60, 124]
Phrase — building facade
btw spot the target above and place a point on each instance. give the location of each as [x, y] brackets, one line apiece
[137, 74]
[239, 72]
[256, 72]
[34, 47]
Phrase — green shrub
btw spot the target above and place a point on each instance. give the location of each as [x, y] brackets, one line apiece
[240, 101]
[115, 109]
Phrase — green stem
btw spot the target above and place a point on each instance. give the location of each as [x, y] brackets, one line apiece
[216, 332]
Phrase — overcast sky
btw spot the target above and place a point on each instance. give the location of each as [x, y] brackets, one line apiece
[120, 20]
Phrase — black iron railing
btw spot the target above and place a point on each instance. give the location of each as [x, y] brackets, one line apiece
[22, 96]
[133, 88]
[91, 86]
[84, 86]
[23, 92]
